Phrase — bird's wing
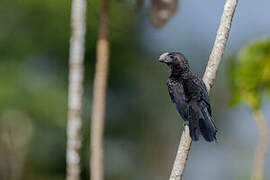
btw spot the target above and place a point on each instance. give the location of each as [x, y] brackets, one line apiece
[178, 97]
[202, 112]
[203, 92]
[206, 97]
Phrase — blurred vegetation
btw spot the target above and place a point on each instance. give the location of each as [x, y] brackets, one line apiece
[34, 50]
[250, 82]
[249, 74]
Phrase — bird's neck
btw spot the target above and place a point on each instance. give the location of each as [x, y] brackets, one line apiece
[177, 72]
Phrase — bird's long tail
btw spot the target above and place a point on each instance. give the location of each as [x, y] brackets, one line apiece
[207, 126]
[194, 129]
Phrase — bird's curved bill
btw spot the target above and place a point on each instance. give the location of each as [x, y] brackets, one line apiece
[163, 57]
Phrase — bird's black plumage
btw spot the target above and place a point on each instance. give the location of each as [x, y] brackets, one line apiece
[190, 96]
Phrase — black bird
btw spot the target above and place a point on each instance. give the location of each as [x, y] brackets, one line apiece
[190, 96]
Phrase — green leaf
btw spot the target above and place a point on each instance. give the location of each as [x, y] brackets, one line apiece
[249, 74]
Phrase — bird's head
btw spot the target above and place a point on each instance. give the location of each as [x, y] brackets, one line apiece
[175, 60]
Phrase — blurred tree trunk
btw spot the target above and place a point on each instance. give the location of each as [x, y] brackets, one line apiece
[208, 78]
[258, 166]
[99, 95]
[76, 71]
[16, 132]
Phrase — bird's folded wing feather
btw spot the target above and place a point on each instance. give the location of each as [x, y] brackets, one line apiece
[178, 97]
[203, 92]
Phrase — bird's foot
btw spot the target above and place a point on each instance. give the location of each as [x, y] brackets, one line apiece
[186, 123]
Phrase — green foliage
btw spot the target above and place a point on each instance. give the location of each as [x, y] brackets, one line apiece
[249, 74]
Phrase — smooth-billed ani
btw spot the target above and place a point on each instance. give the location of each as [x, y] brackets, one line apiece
[190, 96]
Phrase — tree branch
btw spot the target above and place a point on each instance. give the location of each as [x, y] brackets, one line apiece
[208, 78]
[74, 123]
[258, 165]
[100, 82]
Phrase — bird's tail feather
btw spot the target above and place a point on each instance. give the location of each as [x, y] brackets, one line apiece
[207, 126]
[194, 129]
[194, 133]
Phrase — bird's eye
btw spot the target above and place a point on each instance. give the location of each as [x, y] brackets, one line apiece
[173, 58]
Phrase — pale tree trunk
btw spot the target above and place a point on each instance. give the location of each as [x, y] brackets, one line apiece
[258, 166]
[99, 95]
[209, 76]
[76, 57]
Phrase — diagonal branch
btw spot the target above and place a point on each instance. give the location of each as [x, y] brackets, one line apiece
[74, 123]
[99, 95]
[208, 78]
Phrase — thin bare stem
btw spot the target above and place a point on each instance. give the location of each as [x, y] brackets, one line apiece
[99, 96]
[220, 43]
[209, 76]
[181, 156]
[76, 57]
[258, 166]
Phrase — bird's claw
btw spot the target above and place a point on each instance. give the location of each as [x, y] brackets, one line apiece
[185, 124]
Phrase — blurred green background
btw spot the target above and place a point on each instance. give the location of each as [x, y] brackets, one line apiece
[142, 126]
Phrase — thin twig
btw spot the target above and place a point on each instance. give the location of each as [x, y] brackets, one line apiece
[76, 57]
[99, 95]
[209, 76]
[258, 166]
